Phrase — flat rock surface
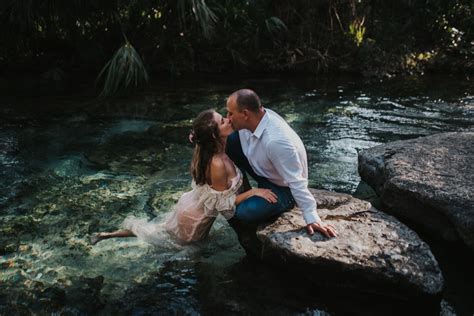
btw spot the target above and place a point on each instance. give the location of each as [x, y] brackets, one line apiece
[427, 180]
[373, 252]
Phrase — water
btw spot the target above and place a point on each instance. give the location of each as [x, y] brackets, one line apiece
[71, 166]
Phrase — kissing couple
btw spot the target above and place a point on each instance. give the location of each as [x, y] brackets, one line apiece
[252, 140]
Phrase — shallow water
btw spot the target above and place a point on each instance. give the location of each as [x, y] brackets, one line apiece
[71, 166]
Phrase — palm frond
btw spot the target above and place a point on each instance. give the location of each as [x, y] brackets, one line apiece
[124, 72]
[181, 4]
[275, 25]
[203, 15]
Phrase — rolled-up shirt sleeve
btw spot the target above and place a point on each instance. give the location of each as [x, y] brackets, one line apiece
[285, 159]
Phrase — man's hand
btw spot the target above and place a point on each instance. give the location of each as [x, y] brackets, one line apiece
[326, 229]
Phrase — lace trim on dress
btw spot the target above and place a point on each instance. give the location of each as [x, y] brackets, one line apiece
[223, 202]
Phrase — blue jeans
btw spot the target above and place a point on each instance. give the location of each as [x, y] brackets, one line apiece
[256, 209]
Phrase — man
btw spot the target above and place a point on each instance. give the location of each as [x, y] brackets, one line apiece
[269, 150]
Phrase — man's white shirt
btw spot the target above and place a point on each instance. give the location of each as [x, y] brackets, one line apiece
[276, 152]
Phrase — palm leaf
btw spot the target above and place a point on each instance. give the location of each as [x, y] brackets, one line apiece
[124, 72]
[275, 25]
[202, 14]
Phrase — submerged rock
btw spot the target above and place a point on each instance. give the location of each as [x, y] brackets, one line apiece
[373, 253]
[128, 153]
[141, 153]
[428, 180]
[172, 133]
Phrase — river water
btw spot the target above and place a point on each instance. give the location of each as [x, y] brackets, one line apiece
[72, 165]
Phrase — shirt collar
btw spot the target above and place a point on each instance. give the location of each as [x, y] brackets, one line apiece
[261, 126]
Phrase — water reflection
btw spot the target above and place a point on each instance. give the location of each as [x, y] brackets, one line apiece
[63, 178]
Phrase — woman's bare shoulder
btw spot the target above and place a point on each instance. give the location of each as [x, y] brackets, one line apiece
[218, 173]
[217, 162]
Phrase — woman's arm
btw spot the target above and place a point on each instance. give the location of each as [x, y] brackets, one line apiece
[220, 181]
[267, 194]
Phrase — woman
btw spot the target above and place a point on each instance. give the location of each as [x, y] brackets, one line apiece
[216, 188]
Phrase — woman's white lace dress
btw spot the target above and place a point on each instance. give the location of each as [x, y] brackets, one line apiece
[193, 215]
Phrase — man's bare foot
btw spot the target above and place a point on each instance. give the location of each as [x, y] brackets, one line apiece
[95, 238]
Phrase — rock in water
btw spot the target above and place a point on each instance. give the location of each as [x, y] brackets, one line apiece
[427, 180]
[373, 253]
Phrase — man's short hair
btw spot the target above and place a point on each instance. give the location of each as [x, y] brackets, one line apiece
[247, 99]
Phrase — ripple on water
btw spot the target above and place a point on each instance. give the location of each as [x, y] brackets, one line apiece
[55, 195]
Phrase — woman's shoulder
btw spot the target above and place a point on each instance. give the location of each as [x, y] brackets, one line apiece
[217, 162]
[218, 173]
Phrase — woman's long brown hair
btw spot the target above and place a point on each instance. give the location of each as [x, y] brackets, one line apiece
[205, 137]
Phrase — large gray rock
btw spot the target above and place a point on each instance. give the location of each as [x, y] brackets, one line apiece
[428, 180]
[373, 253]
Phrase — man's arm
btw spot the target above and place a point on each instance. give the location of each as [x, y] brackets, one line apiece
[286, 161]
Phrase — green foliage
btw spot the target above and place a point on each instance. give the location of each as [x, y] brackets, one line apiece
[176, 37]
[250, 35]
[357, 31]
[202, 14]
[125, 71]
[275, 25]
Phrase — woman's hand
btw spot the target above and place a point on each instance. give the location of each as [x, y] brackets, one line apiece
[267, 194]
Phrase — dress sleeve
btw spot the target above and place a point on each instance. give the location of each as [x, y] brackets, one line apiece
[219, 202]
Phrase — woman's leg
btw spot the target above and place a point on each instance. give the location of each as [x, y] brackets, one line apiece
[95, 238]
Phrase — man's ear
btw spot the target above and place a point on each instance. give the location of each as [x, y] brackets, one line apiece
[246, 113]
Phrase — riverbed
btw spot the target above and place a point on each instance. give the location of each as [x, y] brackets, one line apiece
[72, 165]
